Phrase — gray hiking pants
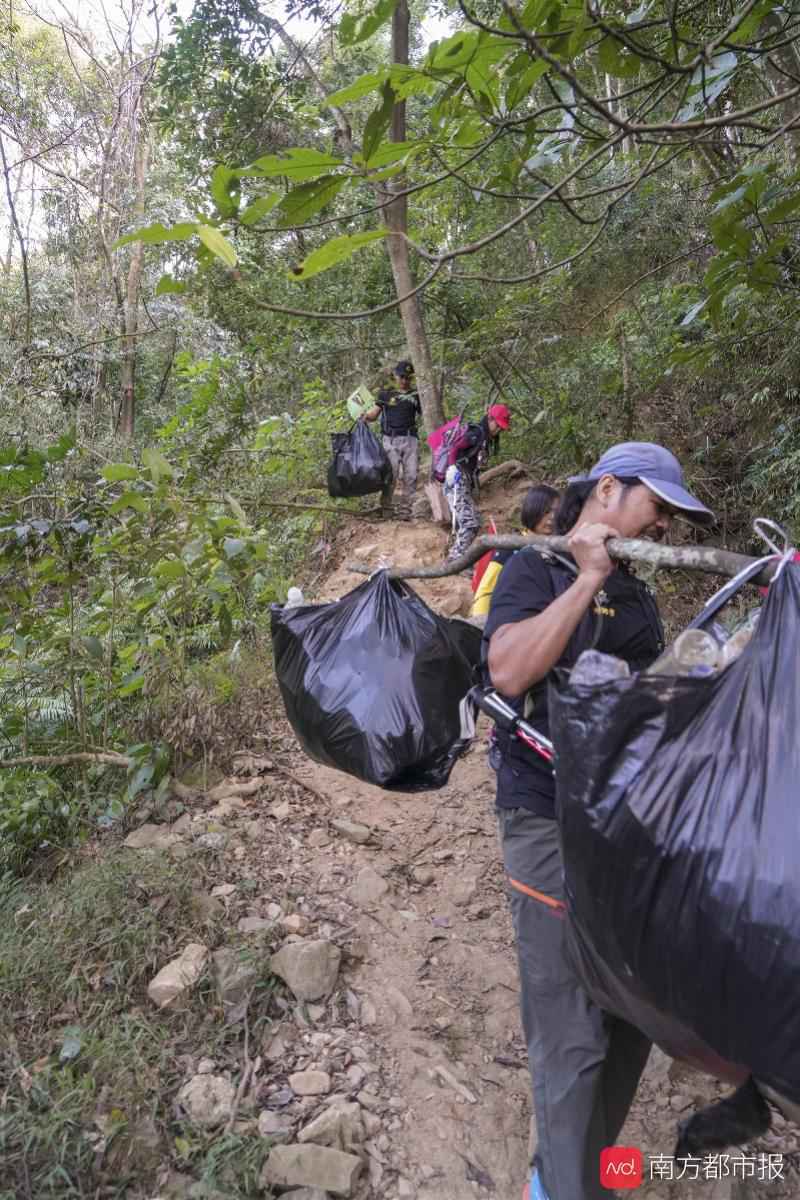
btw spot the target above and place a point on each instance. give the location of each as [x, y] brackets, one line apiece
[403, 454]
[585, 1064]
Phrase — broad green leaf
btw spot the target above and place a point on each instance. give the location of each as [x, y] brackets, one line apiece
[93, 647]
[217, 244]
[169, 569]
[225, 190]
[117, 471]
[360, 87]
[453, 52]
[783, 209]
[259, 208]
[155, 235]
[157, 465]
[386, 153]
[408, 81]
[378, 122]
[308, 198]
[167, 286]
[233, 547]
[616, 60]
[131, 683]
[521, 86]
[129, 500]
[335, 251]
[296, 164]
[353, 29]
[225, 622]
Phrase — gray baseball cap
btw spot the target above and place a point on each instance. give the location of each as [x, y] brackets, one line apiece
[655, 467]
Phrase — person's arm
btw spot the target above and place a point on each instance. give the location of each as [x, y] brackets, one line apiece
[372, 414]
[524, 652]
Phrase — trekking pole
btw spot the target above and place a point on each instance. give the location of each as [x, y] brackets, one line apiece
[505, 718]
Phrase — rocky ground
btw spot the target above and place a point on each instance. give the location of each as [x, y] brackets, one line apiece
[393, 1065]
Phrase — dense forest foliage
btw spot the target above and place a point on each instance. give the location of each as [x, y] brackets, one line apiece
[217, 223]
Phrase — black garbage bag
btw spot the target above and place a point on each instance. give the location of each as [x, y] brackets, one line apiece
[372, 683]
[359, 465]
[679, 806]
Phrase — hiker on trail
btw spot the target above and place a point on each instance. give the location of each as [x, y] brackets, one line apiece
[546, 609]
[466, 456]
[398, 407]
[537, 515]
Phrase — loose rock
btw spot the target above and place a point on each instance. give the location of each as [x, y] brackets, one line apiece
[400, 1004]
[339, 1126]
[310, 1083]
[252, 924]
[208, 1099]
[423, 875]
[233, 976]
[310, 968]
[352, 831]
[213, 841]
[274, 1125]
[312, 1166]
[369, 887]
[178, 976]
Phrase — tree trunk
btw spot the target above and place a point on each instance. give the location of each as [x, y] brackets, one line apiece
[23, 249]
[127, 419]
[397, 246]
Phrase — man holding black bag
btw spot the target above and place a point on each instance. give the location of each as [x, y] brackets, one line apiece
[545, 610]
[398, 407]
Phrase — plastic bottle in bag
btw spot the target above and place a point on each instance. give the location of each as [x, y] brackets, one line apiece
[593, 668]
[694, 652]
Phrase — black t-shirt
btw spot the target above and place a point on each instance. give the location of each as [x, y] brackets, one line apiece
[399, 412]
[623, 621]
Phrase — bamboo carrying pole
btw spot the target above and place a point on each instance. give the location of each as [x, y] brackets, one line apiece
[710, 560]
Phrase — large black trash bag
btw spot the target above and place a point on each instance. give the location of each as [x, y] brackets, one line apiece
[359, 465]
[372, 683]
[679, 807]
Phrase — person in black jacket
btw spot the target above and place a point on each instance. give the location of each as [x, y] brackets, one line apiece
[398, 408]
[585, 1064]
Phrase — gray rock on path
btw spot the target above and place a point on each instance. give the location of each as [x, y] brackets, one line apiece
[234, 976]
[277, 1126]
[179, 975]
[208, 1099]
[399, 1004]
[253, 924]
[311, 1166]
[310, 1083]
[352, 831]
[340, 1126]
[369, 887]
[310, 968]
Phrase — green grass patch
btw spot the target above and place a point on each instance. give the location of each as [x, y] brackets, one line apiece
[89, 1068]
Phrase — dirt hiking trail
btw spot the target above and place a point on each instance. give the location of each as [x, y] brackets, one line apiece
[421, 1030]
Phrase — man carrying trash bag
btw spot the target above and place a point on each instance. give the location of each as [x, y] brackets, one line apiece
[398, 408]
[585, 1064]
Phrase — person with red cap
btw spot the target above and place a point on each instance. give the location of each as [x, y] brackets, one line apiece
[466, 457]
